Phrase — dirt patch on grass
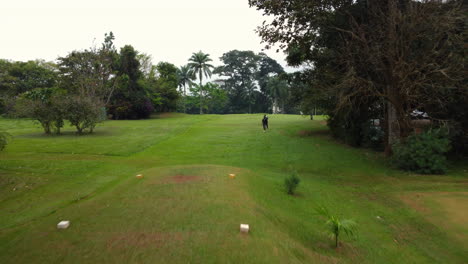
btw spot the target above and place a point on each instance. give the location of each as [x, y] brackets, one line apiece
[143, 240]
[448, 210]
[184, 178]
[454, 203]
[457, 207]
[403, 233]
[177, 179]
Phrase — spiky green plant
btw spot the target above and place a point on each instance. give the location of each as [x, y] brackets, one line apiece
[4, 136]
[335, 225]
[291, 183]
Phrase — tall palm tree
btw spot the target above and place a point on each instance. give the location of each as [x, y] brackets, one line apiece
[199, 64]
[186, 77]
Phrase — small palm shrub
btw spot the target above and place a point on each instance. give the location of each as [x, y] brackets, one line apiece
[336, 226]
[291, 183]
[423, 153]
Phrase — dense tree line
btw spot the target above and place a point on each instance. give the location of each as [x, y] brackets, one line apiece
[125, 84]
[370, 60]
[88, 86]
[246, 83]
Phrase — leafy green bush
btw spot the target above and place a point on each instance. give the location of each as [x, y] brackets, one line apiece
[45, 105]
[83, 112]
[423, 153]
[291, 183]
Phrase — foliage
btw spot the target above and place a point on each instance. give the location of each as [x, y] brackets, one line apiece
[335, 225]
[291, 183]
[199, 64]
[215, 103]
[132, 98]
[91, 72]
[119, 80]
[245, 77]
[166, 86]
[185, 78]
[20, 77]
[277, 91]
[372, 135]
[83, 112]
[240, 68]
[4, 136]
[423, 153]
[352, 124]
[403, 55]
[45, 105]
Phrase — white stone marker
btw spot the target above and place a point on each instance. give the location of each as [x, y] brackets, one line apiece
[63, 224]
[244, 228]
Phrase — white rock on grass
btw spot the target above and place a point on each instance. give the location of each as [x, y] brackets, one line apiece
[244, 228]
[63, 224]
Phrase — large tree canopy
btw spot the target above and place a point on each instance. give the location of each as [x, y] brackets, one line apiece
[392, 56]
[245, 76]
[20, 77]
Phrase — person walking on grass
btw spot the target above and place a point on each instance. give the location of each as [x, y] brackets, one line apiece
[265, 123]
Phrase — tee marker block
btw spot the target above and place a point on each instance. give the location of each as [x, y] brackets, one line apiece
[244, 228]
[63, 224]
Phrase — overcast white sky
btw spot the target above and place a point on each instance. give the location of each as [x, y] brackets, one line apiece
[169, 30]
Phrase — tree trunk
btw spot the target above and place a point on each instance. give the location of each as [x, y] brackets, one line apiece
[185, 99]
[80, 129]
[336, 240]
[201, 93]
[46, 127]
[391, 127]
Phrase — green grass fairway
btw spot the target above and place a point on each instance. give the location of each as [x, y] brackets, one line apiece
[186, 209]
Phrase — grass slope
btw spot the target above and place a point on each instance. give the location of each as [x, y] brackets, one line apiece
[187, 210]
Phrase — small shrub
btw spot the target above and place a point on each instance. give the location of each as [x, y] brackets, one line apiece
[423, 153]
[4, 136]
[291, 183]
